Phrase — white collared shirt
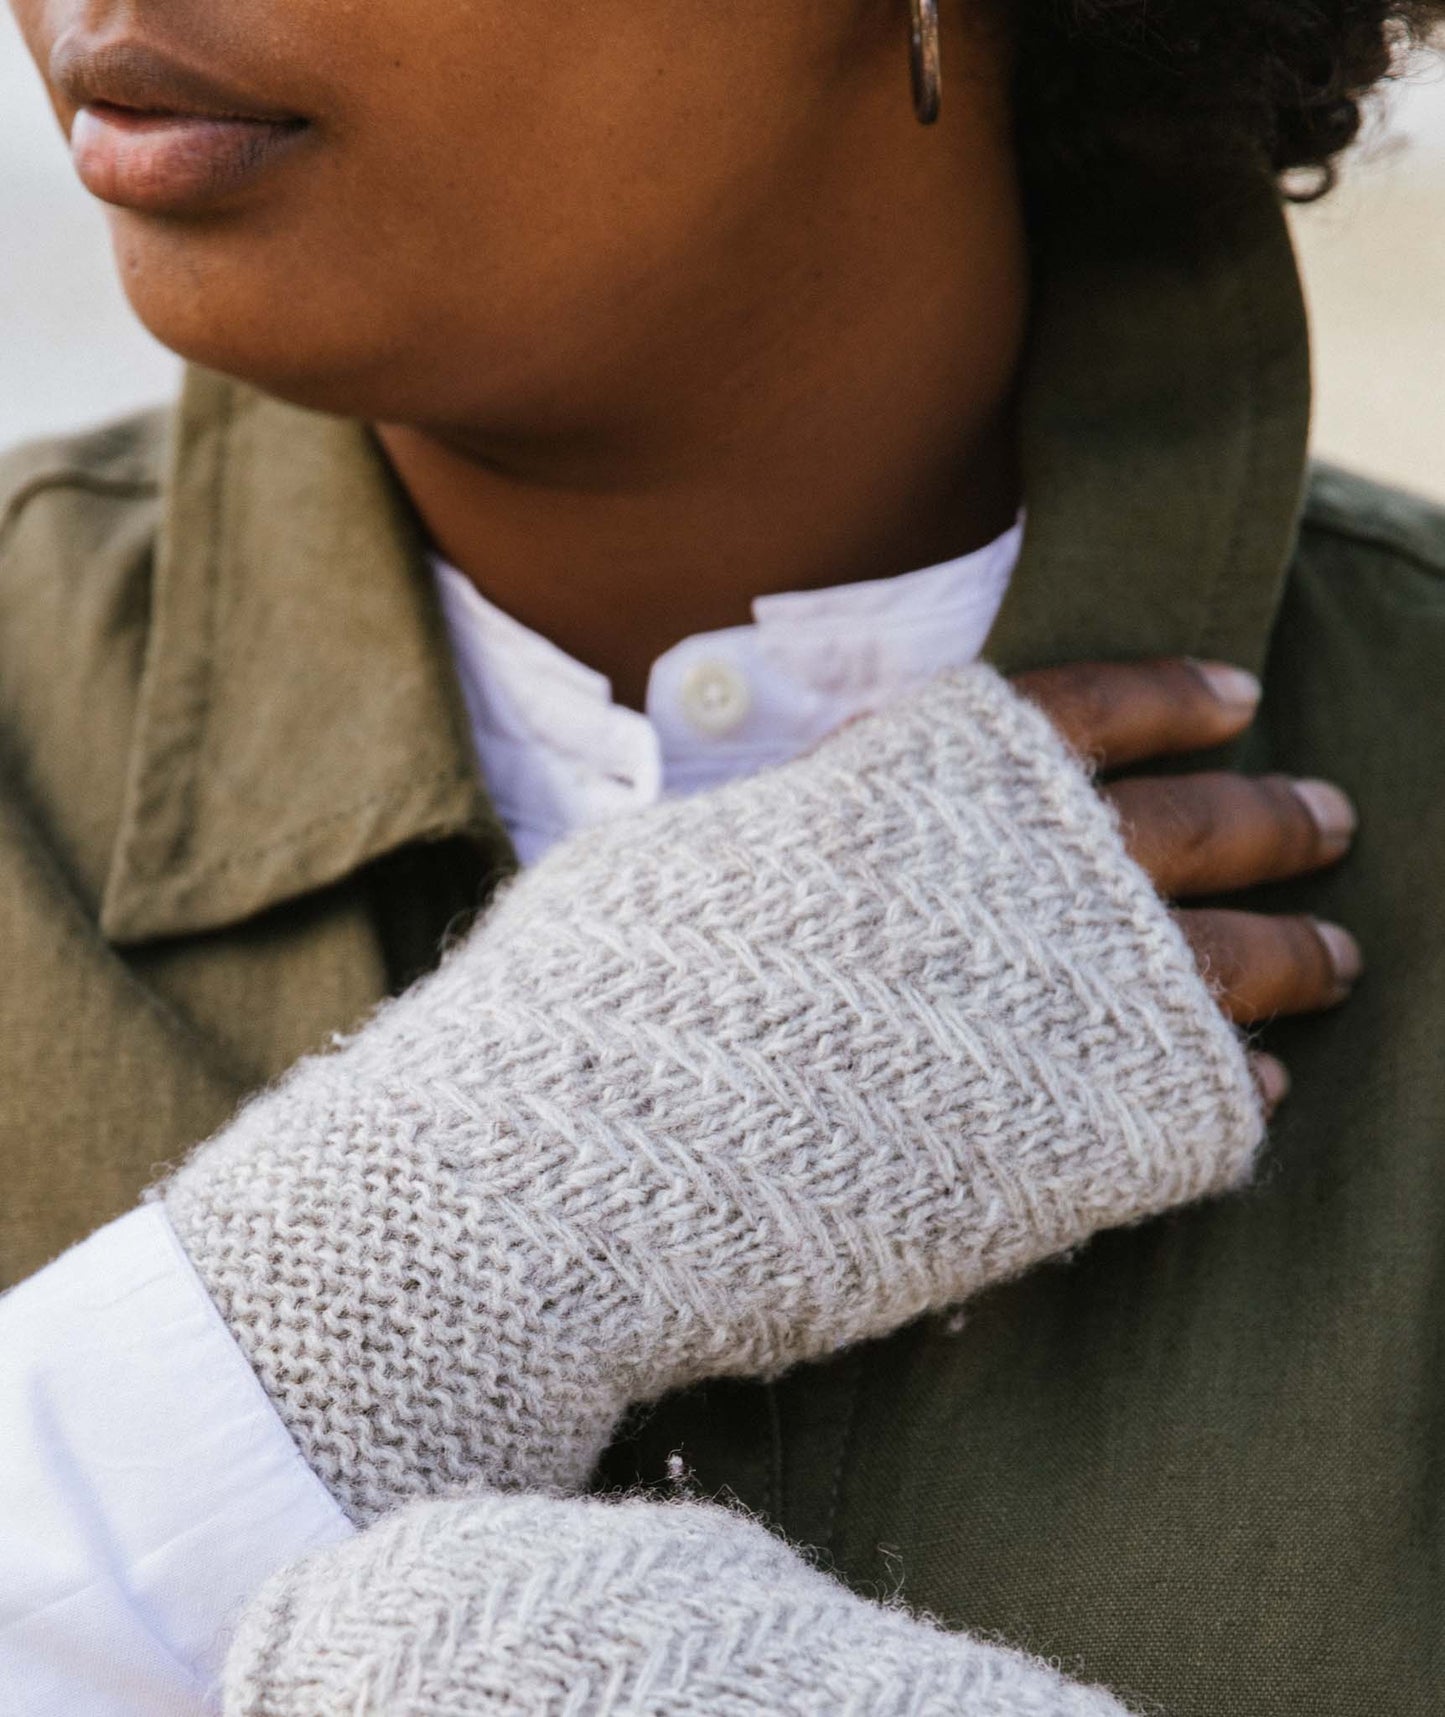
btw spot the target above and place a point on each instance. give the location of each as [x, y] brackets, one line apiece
[559, 755]
[147, 1485]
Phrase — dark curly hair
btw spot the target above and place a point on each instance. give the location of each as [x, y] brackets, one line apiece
[1164, 88]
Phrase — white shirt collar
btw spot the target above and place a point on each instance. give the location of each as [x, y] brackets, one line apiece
[558, 754]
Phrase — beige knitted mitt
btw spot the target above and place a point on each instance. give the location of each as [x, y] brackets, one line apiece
[533, 1607]
[716, 1089]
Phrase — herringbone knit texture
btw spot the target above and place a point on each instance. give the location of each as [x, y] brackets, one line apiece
[716, 1089]
[535, 1607]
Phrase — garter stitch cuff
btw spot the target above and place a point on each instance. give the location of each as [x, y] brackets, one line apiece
[716, 1089]
[534, 1607]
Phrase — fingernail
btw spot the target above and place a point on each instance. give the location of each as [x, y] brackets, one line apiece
[1272, 1077]
[1333, 813]
[1235, 688]
[1344, 952]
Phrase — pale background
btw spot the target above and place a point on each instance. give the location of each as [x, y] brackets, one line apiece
[1374, 260]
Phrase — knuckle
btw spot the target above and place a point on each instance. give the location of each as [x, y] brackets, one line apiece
[1219, 949]
[1196, 815]
[1049, 688]
[1295, 835]
[1184, 818]
[1095, 700]
[1081, 699]
[1311, 969]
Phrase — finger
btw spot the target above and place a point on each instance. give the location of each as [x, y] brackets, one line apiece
[1209, 834]
[1113, 713]
[1271, 1076]
[1260, 966]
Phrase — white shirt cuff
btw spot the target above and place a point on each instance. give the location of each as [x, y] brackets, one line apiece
[147, 1485]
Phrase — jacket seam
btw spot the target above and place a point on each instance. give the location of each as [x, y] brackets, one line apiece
[111, 488]
[776, 1498]
[1381, 539]
[844, 1455]
[141, 814]
[220, 506]
[1229, 562]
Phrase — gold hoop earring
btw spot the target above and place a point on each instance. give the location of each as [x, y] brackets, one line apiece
[926, 61]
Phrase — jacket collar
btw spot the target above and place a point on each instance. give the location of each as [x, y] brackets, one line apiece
[293, 722]
[1165, 422]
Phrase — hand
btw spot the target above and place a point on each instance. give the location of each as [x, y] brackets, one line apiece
[494, 1604]
[1213, 833]
[716, 1089]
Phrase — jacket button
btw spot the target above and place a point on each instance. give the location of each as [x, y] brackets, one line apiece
[715, 698]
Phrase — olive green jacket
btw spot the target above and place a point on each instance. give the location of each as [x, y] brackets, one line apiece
[1205, 1461]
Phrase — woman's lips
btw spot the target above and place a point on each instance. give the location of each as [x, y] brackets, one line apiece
[173, 163]
[155, 132]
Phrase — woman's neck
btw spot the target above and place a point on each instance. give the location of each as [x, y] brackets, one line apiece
[839, 405]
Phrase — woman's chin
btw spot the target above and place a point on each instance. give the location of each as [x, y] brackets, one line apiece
[260, 333]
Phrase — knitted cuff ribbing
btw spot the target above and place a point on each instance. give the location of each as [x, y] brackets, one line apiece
[531, 1607]
[716, 1089]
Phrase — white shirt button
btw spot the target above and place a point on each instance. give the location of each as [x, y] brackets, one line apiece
[715, 698]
